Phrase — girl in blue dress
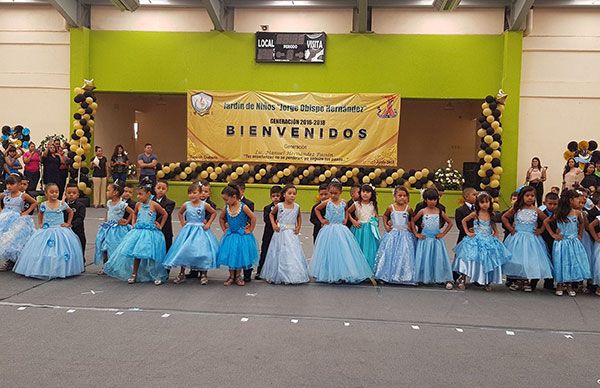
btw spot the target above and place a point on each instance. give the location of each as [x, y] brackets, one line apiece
[238, 247]
[116, 226]
[571, 264]
[139, 257]
[432, 264]
[595, 269]
[396, 255]
[16, 223]
[480, 255]
[195, 247]
[337, 256]
[285, 262]
[53, 251]
[365, 227]
[529, 255]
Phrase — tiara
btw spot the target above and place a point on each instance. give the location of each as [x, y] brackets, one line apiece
[335, 180]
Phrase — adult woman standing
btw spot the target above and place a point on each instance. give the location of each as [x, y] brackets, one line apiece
[51, 161]
[572, 175]
[119, 164]
[590, 179]
[536, 176]
[99, 174]
[32, 159]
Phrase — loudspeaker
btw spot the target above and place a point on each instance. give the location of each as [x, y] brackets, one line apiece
[470, 176]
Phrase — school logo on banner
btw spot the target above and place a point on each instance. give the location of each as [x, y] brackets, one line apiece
[301, 128]
[202, 103]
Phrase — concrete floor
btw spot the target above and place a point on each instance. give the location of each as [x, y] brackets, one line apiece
[96, 331]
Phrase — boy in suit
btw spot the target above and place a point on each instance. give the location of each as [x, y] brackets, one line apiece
[77, 225]
[469, 196]
[161, 189]
[354, 197]
[550, 206]
[268, 232]
[250, 204]
[323, 196]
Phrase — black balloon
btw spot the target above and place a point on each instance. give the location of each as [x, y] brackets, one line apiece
[593, 145]
[89, 111]
[6, 130]
[84, 105]
[496, 136]
[493, 105]
[494, 192]
[87, 93]
[483, 145]
[496, 162]
[489, 150]
[85, 170]
[490, 99]
[572, 146]
[431, 176]
[83, 122]
[490, 131]
[496, 113]
[482, 119]
[486, 125]
[489, 173]
[77, 116]
[418, 185]
[79, 98]
[74, 136]
[405, 176]
[177, 170]
[595, 156]
[485, 180]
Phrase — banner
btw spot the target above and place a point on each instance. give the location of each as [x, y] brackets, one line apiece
[299, 128]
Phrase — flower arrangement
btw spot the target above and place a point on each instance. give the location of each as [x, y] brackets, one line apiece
[449, 178]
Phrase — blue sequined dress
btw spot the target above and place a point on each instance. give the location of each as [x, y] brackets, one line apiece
[194, 247]
[53, 251]
[238, 249]
[529, 255]
[481, 257]
[337, 256]
[432, 264]
[571, 262]
[15, 229]
[285, 262]
[111, 233]
[396, 254]
[145, 242]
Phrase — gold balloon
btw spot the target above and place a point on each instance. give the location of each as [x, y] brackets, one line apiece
[83, 140]
[344, 179]
[418, 175]
[213, 176]
[400, 171]
[218, 170]
[87, 147]
[395, 175]
[87, 191]
[166, 169]
[246, 167]
[193, 165]
[495, 177]
[296, 181]
[292, 167]
[182, 175]
[481, 132]
[496, 154]
[486, 166]
[490, 119]
[187, 170]
[78, 90]
[160, 174]
[311, 169]
[349, 174]
[275, 179]
[495, 145]
[372, 175]
[498, 130]
[412, 180]
[494, 184]
[322, 178]
[279, 174]
[94, 105]
[239, 170]
[327, 173]
[80, 151]
[86, 116]
[485, 106]
[79, 132]
[487, 158]
[366, 179]
[250, 180]
[77, 126]
[77, 158]
[82, 186]
[481, 173]
[407, 184]
[257, 176]
[210, 169]
[377, 171]
[498, 170]
[488, 139]
[73, 147]
[262, 172]
[481, 154]
[501, 108]
[172, 166]
[487, 112]
[89, 100]
[425, 171]
[224, 166]
[288, 172]
[482, 186]
[305, 173]
[333, 169]
[496, 206]
[355, 171]
[383, 184]
[233, 175]
[203, 174]
[389, 180]
[76, 165]
[495, 124]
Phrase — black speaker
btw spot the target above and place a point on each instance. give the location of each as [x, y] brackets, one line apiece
[470, 175]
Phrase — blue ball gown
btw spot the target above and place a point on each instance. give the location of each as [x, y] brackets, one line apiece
[595, 269]
[396, 255]
[111, 233]
[337, 256]
[194, 247]
[238, 249]
[481, 257]
[571, 263]
[145, 242]
[529, 255]
[432, 264]
[285, 262]
[53, 251]
[15, 229]
[367, 235]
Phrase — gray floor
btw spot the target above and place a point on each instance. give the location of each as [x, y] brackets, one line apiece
[95, 331]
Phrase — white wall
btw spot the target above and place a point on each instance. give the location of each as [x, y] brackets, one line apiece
[560, 86]
[332, 21]
[486, 21]
[34, 69]
[109, 17]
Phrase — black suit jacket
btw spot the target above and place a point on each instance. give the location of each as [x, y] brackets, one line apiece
[459, 215]
[315, 220]
[77, 225]
[268, 232]
[592, 214]
[167, 230]
[248, 203]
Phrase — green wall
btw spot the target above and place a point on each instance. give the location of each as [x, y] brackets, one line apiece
[416, 66]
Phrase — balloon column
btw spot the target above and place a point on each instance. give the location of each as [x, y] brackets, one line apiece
[490, 133]
[583, 152]
[18, 136]
[83, 129]
[296, 174]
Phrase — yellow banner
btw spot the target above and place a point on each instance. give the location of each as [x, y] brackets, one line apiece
[300, 128]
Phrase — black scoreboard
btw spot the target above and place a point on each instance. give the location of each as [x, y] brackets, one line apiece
[302, 47]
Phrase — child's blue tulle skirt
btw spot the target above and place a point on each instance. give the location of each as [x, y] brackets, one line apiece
[108, 239]
[193, 248]
[15, 231]
[596, 264]
[238, 250]
[432, 264]
[481, 258]
[368, 239]
[529, 257]
[571, 263]
[396, 257]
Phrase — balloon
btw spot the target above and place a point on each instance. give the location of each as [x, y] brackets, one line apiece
[489, 99]
[412, 180]
[485, 106]
[344, 178]
[82, 186]
[79, 132]
[487, 112]
[488, 158]
[592, 145]
[495, 125]
[395, 175]
[73, 147]
[498, 170]
[496, 154]
[234, 175]
[187, 170]
[80, 151]
[481, 154]
[77, 158]
[400, 171]
[355, 171]
[418, 175]
[495, 145]
[203, 174]
[262, 172]
[84, 139]
[366, 179]
[372, 175]
[572, 146]
[488, 139]
[481, 173]
[87, 191]
[490, 119]
[389, 180]
[288, 172]
[275, 179]
[425, 171]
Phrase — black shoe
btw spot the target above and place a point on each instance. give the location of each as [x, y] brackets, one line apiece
[247, 280]
[257, 277]
[192, 275]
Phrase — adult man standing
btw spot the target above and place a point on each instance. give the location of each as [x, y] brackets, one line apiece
[147, 162]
